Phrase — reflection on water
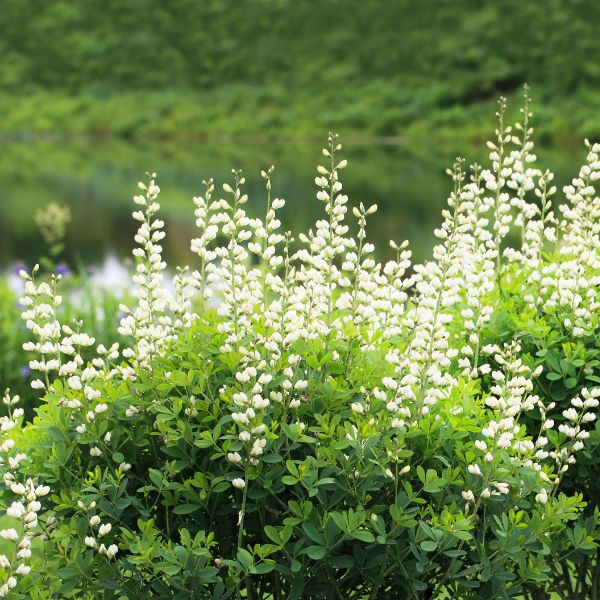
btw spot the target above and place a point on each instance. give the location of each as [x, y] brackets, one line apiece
[111, 275]
[97, 179]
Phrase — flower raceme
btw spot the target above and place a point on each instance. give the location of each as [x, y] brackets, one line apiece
[25, 506]
[425, 327]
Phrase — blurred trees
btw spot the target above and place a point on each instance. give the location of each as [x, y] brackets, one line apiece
[462, 49]
[373, 66]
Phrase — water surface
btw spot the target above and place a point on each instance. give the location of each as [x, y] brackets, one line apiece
[98, 178]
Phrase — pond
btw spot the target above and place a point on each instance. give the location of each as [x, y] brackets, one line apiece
[98, 178]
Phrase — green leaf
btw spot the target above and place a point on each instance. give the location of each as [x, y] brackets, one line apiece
[67, 572]
[434, 486]
[363, 536]
[244, 558]
[271, 458]
[203, 443]
[286, 534]
[156, 477]
[341, 562]
[325, 481]
[454, 553]
[339, 520]
[262, 568]
[291, 467]
[313, 533]
[291, 432]
[553, 360]
[428, 545]
[221, 486]
[272, 533]
[312, 361]
[186, 509]
[315, 552]
[295, 566]
[170, 569]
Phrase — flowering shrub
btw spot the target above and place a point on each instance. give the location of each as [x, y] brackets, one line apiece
[325, 426]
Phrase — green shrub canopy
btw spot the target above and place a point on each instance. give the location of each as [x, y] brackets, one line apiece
[314, 424]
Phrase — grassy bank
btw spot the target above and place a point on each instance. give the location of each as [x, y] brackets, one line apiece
[379, 110]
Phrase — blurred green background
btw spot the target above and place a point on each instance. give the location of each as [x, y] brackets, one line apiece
[93, 93]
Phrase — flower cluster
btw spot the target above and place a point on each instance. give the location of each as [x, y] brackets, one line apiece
[572, 429]
[98, 530]
[504, 436]
[24, 508]
[422, 376]
[52, 221]
[147, 323]
[59, 347]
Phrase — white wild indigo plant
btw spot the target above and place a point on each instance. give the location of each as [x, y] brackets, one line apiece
[298, 420]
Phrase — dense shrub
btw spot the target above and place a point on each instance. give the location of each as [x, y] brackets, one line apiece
[328, 427]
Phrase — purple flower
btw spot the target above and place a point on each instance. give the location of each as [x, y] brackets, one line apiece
[18, 267]
[25, 371]
[62, 269]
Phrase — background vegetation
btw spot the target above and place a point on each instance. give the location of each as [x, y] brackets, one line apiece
[279, 68]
